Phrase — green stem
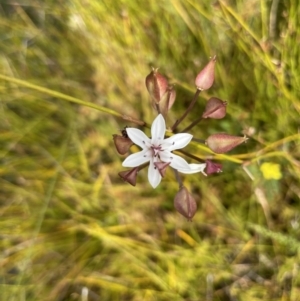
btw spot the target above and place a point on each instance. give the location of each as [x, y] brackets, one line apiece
[71, 99]
[216, 156]
[269, 147]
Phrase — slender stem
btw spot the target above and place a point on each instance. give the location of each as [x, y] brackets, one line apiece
[189, 155]
[190, 107]
[71, 99]
[157, 108]
[269, 147]
[178, 179]
[192, 125]
[199, 140]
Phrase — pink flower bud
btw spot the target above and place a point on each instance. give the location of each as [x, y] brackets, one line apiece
[212, 167]
[157, 85]
[162, 167]
[171, 96]
[185, 204]
[215, 108]
[167, 100]
[122, 144]
[129, 176]
[206, 77]
[223, 143]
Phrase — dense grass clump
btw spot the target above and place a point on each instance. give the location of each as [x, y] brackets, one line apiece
[70, 228]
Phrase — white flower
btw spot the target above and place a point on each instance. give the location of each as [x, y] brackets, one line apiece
[158, 149]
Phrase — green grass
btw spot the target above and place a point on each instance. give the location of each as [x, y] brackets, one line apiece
[69, 71]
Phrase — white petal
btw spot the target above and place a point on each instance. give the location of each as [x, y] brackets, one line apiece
[176, 161]
[158, 129]
[154, 176]
[136, 159]
[138, 137]
[177, 141]
[194, 168]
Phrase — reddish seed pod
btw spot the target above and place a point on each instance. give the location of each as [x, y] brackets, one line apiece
[185, 203]
[215, 108]
[122, 144]
[129, 176]
[206, 76]
[157, 85]
[223, 143]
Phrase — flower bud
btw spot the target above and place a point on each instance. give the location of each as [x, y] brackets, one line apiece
[215, 108]
[223, 143]
[171, 96]
[162, 167]
[206, 77]
[212, 167]
[185, 203]
[157, 85]
[167, 100]
[122, 144]
[129, 176]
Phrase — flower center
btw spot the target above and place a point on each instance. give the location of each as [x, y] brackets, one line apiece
[155, 150]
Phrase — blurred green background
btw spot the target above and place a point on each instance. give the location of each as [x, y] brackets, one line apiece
[70, 228]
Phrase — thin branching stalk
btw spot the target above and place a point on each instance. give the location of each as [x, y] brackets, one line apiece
[190, 107]
[191, 125]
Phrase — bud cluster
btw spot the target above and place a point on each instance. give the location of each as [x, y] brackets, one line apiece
[157, 150]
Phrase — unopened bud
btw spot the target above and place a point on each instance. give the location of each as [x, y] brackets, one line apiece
[212, 167]
[157, 85]
[206, 77]
[162, 167]
[185, 203]
[167, 100]
[129, 176]
[171, 96]
[215, 108]
[122, 144]
[223, 143]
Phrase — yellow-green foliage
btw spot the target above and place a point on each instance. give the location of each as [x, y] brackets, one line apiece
[69, 71]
